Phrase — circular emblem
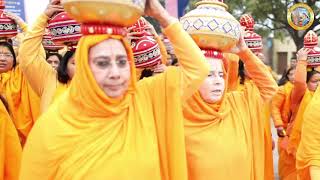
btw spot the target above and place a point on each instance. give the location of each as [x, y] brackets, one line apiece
[300, 16]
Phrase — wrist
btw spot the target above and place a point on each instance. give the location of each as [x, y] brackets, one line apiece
[244, 54]
[164, 19]
[44, 15]
[303, 62]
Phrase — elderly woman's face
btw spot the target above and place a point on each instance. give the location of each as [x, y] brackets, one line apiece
[109, 64]
[6, 59]
[213, 86]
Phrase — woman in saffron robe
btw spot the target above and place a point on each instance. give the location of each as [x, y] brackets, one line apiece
[308, 153]
[305, 85]
[225, 131]
[49, 83]
[280, 109]
[22, 100]
[107, 125]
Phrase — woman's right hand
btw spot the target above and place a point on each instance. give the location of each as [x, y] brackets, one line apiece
[302, 54]
[14, 17]
[155, 9]
[53, 8]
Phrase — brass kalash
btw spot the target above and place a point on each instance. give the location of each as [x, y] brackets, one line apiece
[116, 12]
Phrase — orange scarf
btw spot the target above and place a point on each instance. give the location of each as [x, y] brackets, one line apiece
[23, 101]
[10, 148]
[295, 135]
[87, 134]
[286, 112]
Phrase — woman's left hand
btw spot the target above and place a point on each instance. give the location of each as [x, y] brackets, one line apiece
[241, 46]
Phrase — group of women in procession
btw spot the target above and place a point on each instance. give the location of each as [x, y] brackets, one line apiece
[94, 115]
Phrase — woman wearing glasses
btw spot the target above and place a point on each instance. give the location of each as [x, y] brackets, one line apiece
[22, 100]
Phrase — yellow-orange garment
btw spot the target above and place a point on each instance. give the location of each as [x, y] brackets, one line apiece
[41, 76]
[139, 136]
[281, 113]
[163, 52]
[16, 41]
[308, 153]
[295, 134]
[268, 154]
[280, 105]
[287, 166]
[268, 168]
[268, 160]
[10, 148]
[226, 141]
[232, 70]
[274, 74]
[23, 101]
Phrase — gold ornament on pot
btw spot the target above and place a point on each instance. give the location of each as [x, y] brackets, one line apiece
[212, 26]
[115, 12]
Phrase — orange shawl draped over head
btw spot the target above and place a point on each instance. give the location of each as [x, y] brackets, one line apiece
[226, 140]
[87, 135]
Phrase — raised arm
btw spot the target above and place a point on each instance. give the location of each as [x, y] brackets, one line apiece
[259, 72]
[276, 105]
[232, 70]
[260, 75]
[193, 65]
[300, 79]
[31, 54]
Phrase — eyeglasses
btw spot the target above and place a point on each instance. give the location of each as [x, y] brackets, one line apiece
[6, 55]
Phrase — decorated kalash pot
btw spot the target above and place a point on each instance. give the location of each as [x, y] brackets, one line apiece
[311, 42]
[252, 39]
[146, 50]
[118, 12]
[49, 45]
[64, 30]
[211, 26]
[8, 28]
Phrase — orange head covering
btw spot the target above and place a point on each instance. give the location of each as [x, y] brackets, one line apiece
[93, 98]
[94, 133]
[197, 109]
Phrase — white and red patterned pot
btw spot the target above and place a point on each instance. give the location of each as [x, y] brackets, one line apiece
[49, 45]
[139, 28]
[146, 52]
[311, 42]
[8, 28]
[252, 39]
[64, 30]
